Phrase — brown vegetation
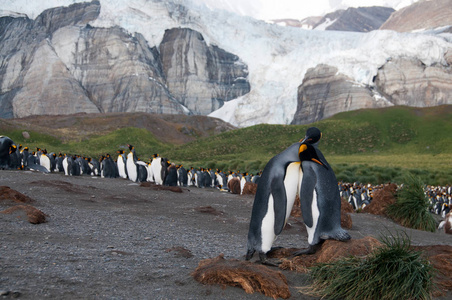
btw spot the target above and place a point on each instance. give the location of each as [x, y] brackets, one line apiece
[34, 215]
[382, 198]
[249, 276]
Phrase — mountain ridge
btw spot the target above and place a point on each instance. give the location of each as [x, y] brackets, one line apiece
[276, 59]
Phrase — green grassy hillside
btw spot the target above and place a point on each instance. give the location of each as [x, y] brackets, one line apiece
[377, 145]
[367, 145]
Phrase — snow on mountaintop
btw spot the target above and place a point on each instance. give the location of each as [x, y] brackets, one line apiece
[277, 57]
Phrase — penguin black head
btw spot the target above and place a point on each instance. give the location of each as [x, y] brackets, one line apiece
[313, 135]
[307, 152]
[12, 149]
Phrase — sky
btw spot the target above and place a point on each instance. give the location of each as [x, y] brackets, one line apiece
[259, 9]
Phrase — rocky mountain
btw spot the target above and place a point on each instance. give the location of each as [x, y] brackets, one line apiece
[178, 58]
[59, 64]
[325, 92]
[424, 14]
[361, 19]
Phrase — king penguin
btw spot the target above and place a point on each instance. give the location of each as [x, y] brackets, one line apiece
[273, 202]
[156, 166]
[319, 195]
[5, 148]
[132, 168]
[122, 160]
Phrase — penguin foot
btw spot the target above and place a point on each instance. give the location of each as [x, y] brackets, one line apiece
[263, 259]
[340, 235]
[274, 249]
[249, 254]
[310, 250]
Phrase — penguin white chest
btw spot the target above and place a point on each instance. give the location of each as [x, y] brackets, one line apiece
[131, 167]
[268, 227]
[292, 182]
[315, 218]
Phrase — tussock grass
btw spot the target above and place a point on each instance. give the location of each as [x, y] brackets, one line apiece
[411, 208]
[394, 271]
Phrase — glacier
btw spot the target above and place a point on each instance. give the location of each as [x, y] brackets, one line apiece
[277, 57]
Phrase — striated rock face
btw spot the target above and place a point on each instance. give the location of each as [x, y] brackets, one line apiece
[33, 79]
[402, 81]
[424, 14]
[361, 19]
[59, 64]
[324, 93]
[409, 82]
[201, 77]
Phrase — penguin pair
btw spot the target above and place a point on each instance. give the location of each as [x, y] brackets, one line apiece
[300, 169]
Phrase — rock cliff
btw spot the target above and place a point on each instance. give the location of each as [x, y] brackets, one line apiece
[403, 81]
[360, 19]
[409, 82]
[424, 14]
[200, 77]
[325, 92]
[59, 64]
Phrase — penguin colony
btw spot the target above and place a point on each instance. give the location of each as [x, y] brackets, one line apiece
[359, 196]
[18, 157]
[299, 170]
[158, 170]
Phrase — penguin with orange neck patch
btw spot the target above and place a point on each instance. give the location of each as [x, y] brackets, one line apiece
[319, 195]
[273, 202]
[6, 145]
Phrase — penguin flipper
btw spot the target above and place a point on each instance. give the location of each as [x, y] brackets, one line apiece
[306, 196]
[279, 203]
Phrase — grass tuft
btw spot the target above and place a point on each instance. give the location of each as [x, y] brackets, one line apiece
[411, 208]
[394, 271]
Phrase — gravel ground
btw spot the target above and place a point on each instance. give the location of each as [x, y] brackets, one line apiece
[114, 239]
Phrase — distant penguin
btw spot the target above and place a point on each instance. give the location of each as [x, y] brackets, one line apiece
[25, 154]
[121, 163]
[156, 166]
[43, 159]
[171, 177]
[84, 167]
[150, 172]
[5, 148]
[182, 176]
[255, 178]
[95, 166]
[52, 157]
[108, 167]
[142, 171]
[59, 162]
[191, 177]
[75, 167]
[14, 156]
[319, 195]
[273, 202]
[132, 168]
[446, 224]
